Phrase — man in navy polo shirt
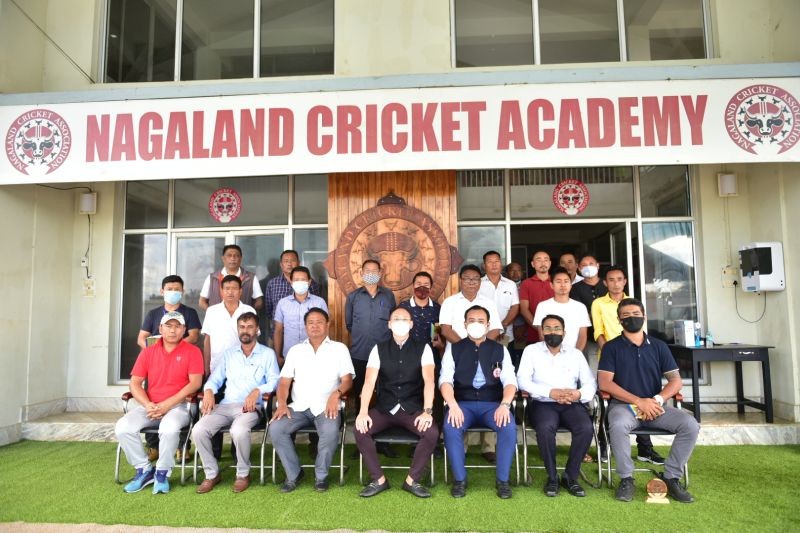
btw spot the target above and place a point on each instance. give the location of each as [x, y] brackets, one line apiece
[630, 370]
[172, 291]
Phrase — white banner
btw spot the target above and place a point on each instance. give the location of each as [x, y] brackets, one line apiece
[513, 126]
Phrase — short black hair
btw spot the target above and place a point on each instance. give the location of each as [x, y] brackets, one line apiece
[232, 247]
[229, 278]
[172, 278]
[614, 268]
[574, 256]
[300, 269]
[401, 308]
[368, 261]
[476, 308]
[467, 268]
[584, 256]
[423, 274]
[492, 252]
[630, 301]
[558, 270]
[285, 252]
[554, 317]
[540, 252]
[315, 310]
[249, 315]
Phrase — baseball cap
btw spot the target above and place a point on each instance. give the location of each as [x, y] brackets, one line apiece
[173, 315]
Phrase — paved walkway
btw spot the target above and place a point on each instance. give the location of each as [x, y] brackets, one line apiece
[23, 527]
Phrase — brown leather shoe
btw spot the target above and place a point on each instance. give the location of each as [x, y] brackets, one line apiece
[208, 484]
[241, 484]
[152, 454]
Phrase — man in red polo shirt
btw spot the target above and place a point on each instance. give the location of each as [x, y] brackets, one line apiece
[173, 369]
[534, 290]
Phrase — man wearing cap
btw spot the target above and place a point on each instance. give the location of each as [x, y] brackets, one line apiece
[248, 371]
[173, 369]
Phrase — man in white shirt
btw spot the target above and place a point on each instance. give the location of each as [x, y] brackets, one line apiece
[572, 311]
[503, 291]
[318, 371]
[219, 325]
[560, 382]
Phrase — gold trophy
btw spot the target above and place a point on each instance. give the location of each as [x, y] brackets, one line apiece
[656, 491]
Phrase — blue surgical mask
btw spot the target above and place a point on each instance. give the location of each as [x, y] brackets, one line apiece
[300, 287]
[172, 297]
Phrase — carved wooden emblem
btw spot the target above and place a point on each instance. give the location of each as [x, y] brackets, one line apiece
[403, 239]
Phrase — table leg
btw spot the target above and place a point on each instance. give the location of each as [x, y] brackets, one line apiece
[767, 389]
[739, 387]
[696, 388]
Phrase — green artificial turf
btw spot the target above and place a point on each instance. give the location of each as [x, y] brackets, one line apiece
[737, 488]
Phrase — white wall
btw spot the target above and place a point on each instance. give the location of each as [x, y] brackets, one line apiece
[756, 31]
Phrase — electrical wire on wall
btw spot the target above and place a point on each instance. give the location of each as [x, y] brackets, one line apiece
[85, 258]
[736, 302]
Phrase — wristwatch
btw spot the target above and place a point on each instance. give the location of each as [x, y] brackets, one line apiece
[507, 404]
[658, 398]
[428, 411]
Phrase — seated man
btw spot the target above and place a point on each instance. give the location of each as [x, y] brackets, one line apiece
[630, 370]
[319, 371]
[173, 369]
[247, 371]
[403, 369]
[478, 384]
[552, 373]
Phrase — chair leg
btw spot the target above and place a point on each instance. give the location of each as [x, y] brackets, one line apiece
[273, 465]
[516, 460]
[263, 446]
[116, 464]
[194, 465]
[341, 453]
[445, 464]
[360, 469]
[433, 481]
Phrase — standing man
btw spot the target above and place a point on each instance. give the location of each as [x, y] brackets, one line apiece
[519, 328]
[172, 291]
[503, 291]
[248, 371]
[366, 315]
[569, 262]
[173, 369]
[319, 372]
[586, 292]
[631, 370]
[560, 383]
[280, 286]
[219, 326]
[402, 368]
[424, 311]
[534, 290]
[574, 313]
[478, 385]
[608, 327]
[210, 294]
[290, 310]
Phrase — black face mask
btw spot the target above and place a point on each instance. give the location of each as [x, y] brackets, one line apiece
[553, 340]
[632, 324]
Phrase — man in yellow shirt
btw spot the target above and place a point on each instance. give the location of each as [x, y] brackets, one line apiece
[607, 327]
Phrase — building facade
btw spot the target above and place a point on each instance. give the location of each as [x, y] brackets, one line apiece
[662, 136]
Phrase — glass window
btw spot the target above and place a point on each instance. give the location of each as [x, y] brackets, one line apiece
[480, 195]
[669, 276]
[311, 199]
[263, 200]
[610, 192]
[197, 257]
[493, 32]
[664, 30]
[141, 41]
[144, 266]
[474, 241]
[312, 245]
[217, 39]
[664, 191]
[146, 204]
[296, 37]
[261, 254]
[577, 31]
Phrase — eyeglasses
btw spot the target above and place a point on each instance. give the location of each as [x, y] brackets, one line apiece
[470, 280]
[552, 329]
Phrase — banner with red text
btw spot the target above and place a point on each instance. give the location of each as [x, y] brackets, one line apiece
[511, 126]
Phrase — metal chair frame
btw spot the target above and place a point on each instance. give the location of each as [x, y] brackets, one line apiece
[393, 435]
[186, 431]
[592, 408]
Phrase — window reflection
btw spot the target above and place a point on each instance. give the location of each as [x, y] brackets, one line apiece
[217, 39]
[474, 241]
[493, 32]
[664, 30]
[140, 41]
[296, 37]
[664, 191]
[576, 31]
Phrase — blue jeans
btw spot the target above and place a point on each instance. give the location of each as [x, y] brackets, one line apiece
[479, 414]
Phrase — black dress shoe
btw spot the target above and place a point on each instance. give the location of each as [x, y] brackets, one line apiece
[417, 490]
[625, 489]
[459, 489]
[289, 486]
[551, 488]
[677, 492]
[573, 487]
[503, 490]
[321, 485]
[374, 488]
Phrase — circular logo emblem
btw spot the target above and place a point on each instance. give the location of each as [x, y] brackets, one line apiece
[571, 197]
[38, 142]
[225, 205]
[403, 239]
[763, 119]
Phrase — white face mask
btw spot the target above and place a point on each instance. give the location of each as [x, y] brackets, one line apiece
[172, 297]
[300, 287]
[476, 330]
[400, 328]
[589, 271]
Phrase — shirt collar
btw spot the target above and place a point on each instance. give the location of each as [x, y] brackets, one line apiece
[413, 303]
[630, 343]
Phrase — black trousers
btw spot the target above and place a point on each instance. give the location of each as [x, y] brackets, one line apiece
[546, 418]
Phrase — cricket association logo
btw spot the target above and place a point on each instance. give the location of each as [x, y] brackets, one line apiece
[38, 142]
[571, 197]
[225, 205]
[763, 119]
[403, 239]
